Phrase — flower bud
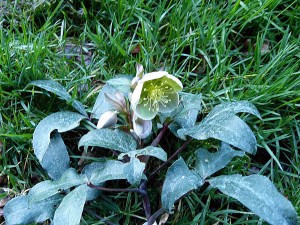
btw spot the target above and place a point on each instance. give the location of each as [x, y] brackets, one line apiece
[107, 119]
[121, 98]
[141, 127]
[139, 70]
[117, 101]
[134, 82]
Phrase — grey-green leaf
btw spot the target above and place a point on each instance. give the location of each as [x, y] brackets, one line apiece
[56, 159]
[60, 121]
[58, 89]
[208, 163]
[88, 171]
[232, 108]
[48, 188]
[20, 211]
[149, 150]
[114, 170]
[185, 115]
[225, 127]
[258, 194]
[107, 138]
[134, 170]
[102, 105]
[70, 209]
[121, 83]
[179, 181]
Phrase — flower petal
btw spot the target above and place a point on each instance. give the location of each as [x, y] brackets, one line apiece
[171, 105]
[143, 111]
[142, 128]
[136, 95]
[174, 82]
[153, 76]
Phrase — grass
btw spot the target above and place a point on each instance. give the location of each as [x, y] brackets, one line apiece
[228, 50]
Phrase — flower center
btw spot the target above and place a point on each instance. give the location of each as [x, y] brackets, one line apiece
[156, 93]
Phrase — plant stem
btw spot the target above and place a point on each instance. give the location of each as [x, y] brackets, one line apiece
[156, 141]
[169, 159]
[146, 202]
[155, 215]
[99, 217]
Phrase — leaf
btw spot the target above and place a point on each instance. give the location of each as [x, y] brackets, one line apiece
[56, 159]
[88, 171]
[70, 209]
[231, 130]
[102, 105]
[208, 163]
[48, 188]
[134, 170]
[149, 150]
[92, 193]
[121, 83]
[60, 121]
[222, 124]
[185, 115]
[179, 181]
[112, 139]
[52, 86]
[114, 170]
[92, 169]
[233, 108]
[19, 211]
[258, 194]
[58, 89]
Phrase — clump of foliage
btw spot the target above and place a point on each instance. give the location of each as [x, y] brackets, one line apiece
[126, 125]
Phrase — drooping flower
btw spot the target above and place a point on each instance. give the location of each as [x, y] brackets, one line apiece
[107, 119]
[142, 128]
[155, 92]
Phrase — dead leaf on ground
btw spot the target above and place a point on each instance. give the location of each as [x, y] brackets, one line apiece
[79, 52]
[200, 68]
[250, 48]
[4, 200]
[136, 50]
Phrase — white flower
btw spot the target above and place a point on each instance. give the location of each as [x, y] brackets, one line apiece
[142, 128]
[155, 92]
[107, 119]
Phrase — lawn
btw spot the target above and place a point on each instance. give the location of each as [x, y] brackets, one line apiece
[226, 50]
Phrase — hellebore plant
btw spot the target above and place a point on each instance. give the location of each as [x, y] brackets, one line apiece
[128, 123]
